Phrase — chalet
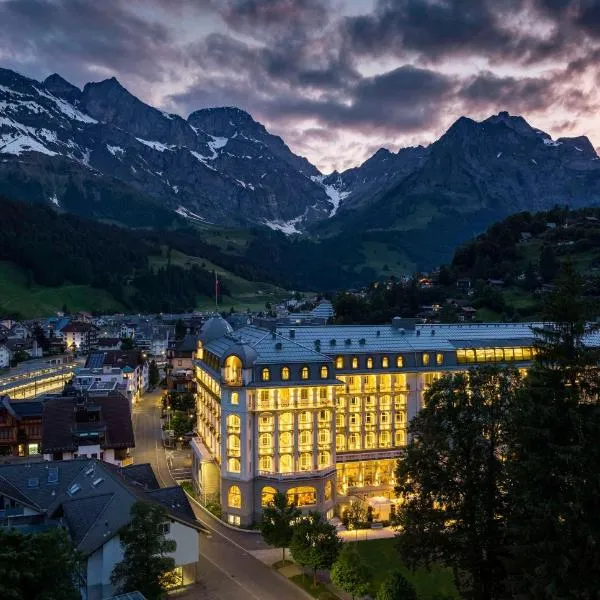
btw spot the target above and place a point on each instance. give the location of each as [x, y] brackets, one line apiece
[92, 427]
[20, 427]
[93, 500]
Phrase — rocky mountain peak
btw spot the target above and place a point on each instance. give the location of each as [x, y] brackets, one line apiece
[61, 88]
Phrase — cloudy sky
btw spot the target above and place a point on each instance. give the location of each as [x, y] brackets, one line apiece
[337, 79]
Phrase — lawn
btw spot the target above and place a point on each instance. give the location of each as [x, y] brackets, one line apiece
[31, 300]
[382, 558]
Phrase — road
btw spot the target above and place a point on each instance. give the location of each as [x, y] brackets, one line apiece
[227, 570]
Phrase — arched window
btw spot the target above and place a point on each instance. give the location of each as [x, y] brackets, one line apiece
[234, 465]
[324, 372]
[302, 496]
[370, 440]
[285, 441]
[439, 358]
[266, 441]
[355, 362]
[328, 490]
[286, 463]
[339, 362]
[306, 463]
[266, 374]
[265, 422]
[285, 373]
[305, 438]
[233, 443]
[305, 373]
[399, 361]
[324, 436]
[265, 463]
[354, 441]
[385, 439]
[340, 420]
[324, 459]
[234, 497]
[266, 496]
[369, 363]
[324, 416]
[425, 358]
[340, 442]
[235, 398]
[385, 362]
[286, 421]
[400, 438]
[233, 370]
[305, 417]
[233, 423]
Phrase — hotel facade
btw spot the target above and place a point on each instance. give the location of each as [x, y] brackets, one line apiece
[320, 413]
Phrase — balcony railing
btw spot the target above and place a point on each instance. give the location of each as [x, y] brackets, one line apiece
[298, 474]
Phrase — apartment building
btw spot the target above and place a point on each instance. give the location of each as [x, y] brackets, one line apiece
[321, 412]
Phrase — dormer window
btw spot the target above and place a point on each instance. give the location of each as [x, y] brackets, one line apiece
[324, 372]
[399, 361]
[425, 359]
[265, 374]
[305, 373]
[285, 373]
[369, 363]
[339, 362]
[355, 362]
[385, 363]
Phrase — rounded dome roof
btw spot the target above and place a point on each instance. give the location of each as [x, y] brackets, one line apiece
[214, 328]
[246, 353]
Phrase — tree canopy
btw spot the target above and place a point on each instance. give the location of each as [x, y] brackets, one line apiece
[350, 573]
[277, 522]
[146, 566]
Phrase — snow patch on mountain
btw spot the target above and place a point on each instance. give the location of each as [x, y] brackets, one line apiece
[287, 227]
[67, 109]
[54, 200]
[154, 145]
[551, 142]
[188, 214]
[22, 143]
[333, 191]
[115, 150]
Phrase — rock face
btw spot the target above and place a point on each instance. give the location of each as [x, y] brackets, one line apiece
[218, 166]
[102, 152]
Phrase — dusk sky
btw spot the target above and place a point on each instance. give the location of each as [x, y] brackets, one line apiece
[337, 79]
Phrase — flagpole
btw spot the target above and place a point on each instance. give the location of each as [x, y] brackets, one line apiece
[216, 292]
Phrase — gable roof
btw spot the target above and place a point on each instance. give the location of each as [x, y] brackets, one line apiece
[112, 425]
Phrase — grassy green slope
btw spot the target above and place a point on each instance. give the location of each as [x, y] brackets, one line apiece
[31, 300]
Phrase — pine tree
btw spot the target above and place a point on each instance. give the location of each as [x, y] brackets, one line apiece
[451, 478]
[145, 566]
[554, 525]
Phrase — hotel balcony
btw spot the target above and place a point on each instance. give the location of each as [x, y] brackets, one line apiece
[298, 474]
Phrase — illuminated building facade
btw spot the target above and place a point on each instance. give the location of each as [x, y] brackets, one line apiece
[321, 412]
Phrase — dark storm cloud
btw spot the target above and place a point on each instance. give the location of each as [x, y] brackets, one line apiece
[78, 36]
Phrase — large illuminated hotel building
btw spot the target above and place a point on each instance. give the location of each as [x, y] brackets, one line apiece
[321, 412]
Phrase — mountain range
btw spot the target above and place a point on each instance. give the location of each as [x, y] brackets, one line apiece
[101, 152]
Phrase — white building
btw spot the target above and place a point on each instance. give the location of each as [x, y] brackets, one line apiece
[94, 500]
[4, 357]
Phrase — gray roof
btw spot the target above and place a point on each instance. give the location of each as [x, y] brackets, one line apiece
[269, 346]
[323, 309]
[214, 328]
[95, 497]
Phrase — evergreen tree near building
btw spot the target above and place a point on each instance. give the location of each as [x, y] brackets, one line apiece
[452, 479]
[548, 264]
[153, 374]
[553, 534]
[315, 543]
[39, 566]
[350, 573]
[396, 587]
[146, 566]
[277, 522]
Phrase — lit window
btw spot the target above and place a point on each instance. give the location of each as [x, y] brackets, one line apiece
[399, 361]
[266, 440]
[234, 497]
[384, 418]
[235, 398]
[303, 394]
[302, 496]
[324, 436]
[305, 373]
[266, 464]
[324, 372]
[233, 443]
[324, 459]
[339, 362]
[355, 419]
[286, 420]
[323, 393]
[305, 417]
[439, 358]
[425, 358]
[369, 363]
[328, 490]
[385, 362]
[232, 520]
[340, 442]
[324, 415]
[370, 418]
[234, 465]
[354, 441]
[306, 461]
[355, 362]
[385, 439]
[285, 373]
[305, 438]
[233, 423]
[400, 438]
[266, 496]
[285, 463]
[339, 420]
[285, 441]
[266, 374]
